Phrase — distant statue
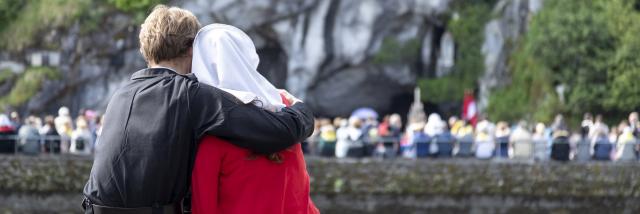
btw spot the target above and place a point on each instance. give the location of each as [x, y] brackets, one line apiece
[416, 113]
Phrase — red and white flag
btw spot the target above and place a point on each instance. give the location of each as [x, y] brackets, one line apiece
[469, 109]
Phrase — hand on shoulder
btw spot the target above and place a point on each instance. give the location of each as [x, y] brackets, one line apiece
[292, 99]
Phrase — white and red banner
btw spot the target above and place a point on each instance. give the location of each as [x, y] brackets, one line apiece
[469, 109]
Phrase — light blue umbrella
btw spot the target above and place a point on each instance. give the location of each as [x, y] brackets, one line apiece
[365, 113]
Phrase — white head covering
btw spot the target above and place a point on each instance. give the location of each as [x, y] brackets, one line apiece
[226, 58]
[435, 125]
[63, 111]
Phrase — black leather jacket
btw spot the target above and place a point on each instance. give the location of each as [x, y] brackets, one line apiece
[145, 153]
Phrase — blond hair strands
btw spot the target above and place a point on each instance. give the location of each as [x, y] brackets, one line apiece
[167, 33]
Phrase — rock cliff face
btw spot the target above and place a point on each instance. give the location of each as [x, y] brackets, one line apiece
[332, 52]
[337, 55]
[500, 37]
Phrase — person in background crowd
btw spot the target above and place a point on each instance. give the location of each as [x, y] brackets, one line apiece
[464, 136]
[464, 130]
[313, 145]
[599, 129]
[92, 118]
[383, 128]
[37, 121]
[327, 141]
[600, 144]
[392, 145]
[415, 135]
[370, 137]
[613, 135]
[502, 139]
[626, 145]
[583, 145]
[574, 140]
[432, 129]
[355, 136]
[15, 120]
[455, 125]
[484, 143]
[81, 138]
[29, 137]
[395, 127]
[634, 123]
[520, 140]
[310, 142]
[444, 141]
[520, 133]
[434, 125]
[389, 139]
[64, 126]
[560, 148]
[51, 136]
[7, 132]
[540, 142]
[586, 124]
[342, 139]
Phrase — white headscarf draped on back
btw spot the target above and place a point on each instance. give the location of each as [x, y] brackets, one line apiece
[225, 57]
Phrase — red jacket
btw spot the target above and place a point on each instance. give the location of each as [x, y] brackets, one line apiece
[231, 180]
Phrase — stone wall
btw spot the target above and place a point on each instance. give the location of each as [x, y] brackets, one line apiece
[54, 184]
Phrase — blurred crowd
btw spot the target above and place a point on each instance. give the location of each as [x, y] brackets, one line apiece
[358, 137]
[51, 134]
[436, 138]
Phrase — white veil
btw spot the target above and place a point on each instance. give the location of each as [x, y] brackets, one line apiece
[225, 57]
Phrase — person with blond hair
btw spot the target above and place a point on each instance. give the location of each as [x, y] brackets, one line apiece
[81, 138]
[153, 122]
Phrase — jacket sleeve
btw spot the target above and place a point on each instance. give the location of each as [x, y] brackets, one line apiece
[220, 114]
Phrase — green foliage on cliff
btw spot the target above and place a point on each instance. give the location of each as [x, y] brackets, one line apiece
[27, 85]
[28, 19]
[624, 71]
[21, 22]
[9, 11]
[135, 5]
[591, 51]
[393, 51]
[467, 27]
[138, 8]
[6, 75]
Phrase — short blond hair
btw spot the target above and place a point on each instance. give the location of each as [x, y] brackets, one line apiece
[167, 33]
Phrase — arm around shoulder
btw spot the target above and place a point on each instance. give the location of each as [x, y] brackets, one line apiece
[218, 113]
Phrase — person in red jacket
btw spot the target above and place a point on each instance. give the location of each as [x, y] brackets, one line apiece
[229, 179]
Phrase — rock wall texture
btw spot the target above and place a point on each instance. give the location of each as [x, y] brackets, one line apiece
[53, 184]
[355, 53]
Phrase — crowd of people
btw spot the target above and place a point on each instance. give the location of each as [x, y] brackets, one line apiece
[358, 137]
[54, 134]
[436, 138]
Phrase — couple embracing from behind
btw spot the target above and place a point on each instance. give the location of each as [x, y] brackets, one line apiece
[222, 133]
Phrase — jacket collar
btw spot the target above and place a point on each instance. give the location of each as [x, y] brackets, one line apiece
[158, 72]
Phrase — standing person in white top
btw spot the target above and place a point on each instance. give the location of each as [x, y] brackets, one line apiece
[342, 136]
[63, 124]
[81, 138]
[484, 141]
